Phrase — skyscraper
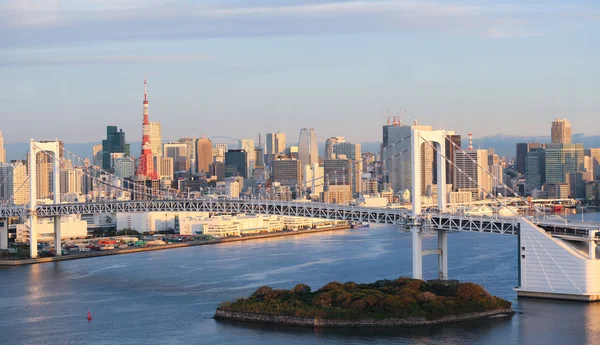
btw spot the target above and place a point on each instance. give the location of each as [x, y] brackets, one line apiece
[330, 144]
[535, 169]
[561, 131]
[97, 155]
[308, 150]
[15, 188]
[351, 151]
[114, 143]
[248, 146]
[288, 172]
[191, 151]
[237, 158]
[522, 149]
[396, 159]
[474, 173]
[275, 143]
[203, 154]
[2, 149]
[562, 159]
[156, 138]
[178, 152]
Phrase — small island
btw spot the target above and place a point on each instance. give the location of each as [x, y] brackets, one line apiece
[400, 302]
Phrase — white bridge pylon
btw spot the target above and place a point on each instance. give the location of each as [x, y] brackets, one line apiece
[35, 148]
[438, 140]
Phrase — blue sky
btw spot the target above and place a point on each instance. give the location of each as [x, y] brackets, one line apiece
[239, 68]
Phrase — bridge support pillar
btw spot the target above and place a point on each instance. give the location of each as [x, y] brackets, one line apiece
[57, 244]
[4, 234]
[33, 243]
[417, 251]
[592, 245]
[443, 256]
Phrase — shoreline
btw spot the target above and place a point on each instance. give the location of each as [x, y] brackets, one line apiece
[11, 263]
[329, 323]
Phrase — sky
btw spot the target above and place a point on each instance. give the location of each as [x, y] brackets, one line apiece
[239, 68]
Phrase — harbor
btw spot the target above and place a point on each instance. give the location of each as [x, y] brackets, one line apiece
[171, 245]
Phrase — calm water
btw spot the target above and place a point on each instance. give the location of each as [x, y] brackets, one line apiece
[169, 297]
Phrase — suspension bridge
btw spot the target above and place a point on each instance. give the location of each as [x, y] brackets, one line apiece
[556, 259]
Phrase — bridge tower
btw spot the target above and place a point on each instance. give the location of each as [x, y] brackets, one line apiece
[438, 140]
[34, 149]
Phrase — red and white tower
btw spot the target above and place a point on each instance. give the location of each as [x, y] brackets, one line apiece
[146, 166]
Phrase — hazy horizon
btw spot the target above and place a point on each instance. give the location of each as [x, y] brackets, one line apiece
[71, 68]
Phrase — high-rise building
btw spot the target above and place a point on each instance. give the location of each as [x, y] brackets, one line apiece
[330, 144]
[97, 155]
[475, 176]
[561, 131]
[71, 181]
[14, 190]
[562, 159]
[308, 149]
[2, 149]
[351, 151]
[288, 172]
[217, 169]
[396, 158]
[219, 152]
[114, 143]
[275, 143]
[248, 146]
[124, 167]
[191, 152]
[237, 158]
[535, 169]
[594, 154]
[338, 172]
[165, 167]
[156, 138]
[178, 152]
[204, 154]
[522, 149]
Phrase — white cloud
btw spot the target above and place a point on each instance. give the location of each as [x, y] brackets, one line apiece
[55, 22]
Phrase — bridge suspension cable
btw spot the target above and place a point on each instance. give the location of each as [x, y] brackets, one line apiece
[471, 178]
[357, 163]
[99, 180]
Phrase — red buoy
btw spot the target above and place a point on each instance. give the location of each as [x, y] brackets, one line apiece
[89, 317]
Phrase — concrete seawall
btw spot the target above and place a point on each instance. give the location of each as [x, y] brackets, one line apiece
[164, 246]
[327, 323]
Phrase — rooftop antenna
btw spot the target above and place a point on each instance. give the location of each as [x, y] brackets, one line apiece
[470, 141]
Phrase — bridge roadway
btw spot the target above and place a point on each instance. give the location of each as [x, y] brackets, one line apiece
[431, 221]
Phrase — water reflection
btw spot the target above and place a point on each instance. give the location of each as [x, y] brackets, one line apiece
[170, 296]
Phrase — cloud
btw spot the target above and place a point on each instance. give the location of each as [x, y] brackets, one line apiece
[56, 22]
[102, 59]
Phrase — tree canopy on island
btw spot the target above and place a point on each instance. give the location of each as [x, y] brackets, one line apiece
[400, 298]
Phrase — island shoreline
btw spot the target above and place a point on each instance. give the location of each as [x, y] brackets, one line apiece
[332, 323]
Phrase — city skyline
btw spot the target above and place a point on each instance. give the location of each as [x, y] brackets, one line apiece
[477, 68]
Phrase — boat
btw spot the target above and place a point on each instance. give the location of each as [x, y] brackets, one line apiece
[358, 225]
[89, 316]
